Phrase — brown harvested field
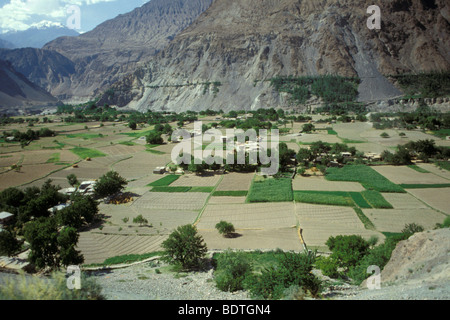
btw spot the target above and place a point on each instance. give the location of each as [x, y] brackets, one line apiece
[404, 201]
[120, 149]
[140, 165]
[352, 131]
[190, 201]
[319, 136]
[226, 200]
[97, 247]
[435, 198]
[192, 180]
[26, 175]
[235, 182]
[319, 183]
[249, 215]
[321, 222]
[436, 170]
[267, 239]
[7, 160]
[161, 220]
[406, 175]
[394, 220]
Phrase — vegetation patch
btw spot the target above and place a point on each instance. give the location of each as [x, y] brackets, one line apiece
[164, 182]
[271, 190]
[425, 186]
[332, 198]
[425, 85]
[87, 153]
[54, 158]
[443, 165]
[235, 193]
[369, 178]
[376, 200]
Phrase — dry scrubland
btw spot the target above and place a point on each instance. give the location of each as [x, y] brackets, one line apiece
[217, 197]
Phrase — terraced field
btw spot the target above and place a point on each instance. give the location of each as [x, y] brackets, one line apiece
[96, 248]
[319, 222]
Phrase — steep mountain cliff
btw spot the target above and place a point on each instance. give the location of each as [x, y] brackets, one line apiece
[116, 47]
[224, 59]
[17, 92]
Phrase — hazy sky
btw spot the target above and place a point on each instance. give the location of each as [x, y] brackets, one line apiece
[22, 14]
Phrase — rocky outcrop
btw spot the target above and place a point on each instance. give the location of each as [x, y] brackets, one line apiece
[242, 44]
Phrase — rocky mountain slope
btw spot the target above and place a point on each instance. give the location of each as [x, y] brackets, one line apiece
[47, 69]
[118, 46]
[239, 44]
[17, 92]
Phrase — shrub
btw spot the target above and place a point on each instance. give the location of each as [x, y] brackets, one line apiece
[328, 266]
[293, 270]
[347, 250]
[225, 228]
[233, 268]
[184, 248]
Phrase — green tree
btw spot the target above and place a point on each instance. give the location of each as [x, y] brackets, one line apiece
[42, 236]
[67, 241]
[9, 245]
[225, 228]
[185, 248]
[109, 184]
[72, 180]
[132, 125]
[308, 128]
[155, 137]
[140, 220]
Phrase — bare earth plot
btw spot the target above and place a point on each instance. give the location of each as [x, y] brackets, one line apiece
[27, 174]
[406, 175]
[120, 149]
[394, 220]
[98, 247]
[404, 201]
[190, 201]
[320, 222]
[140, 165]
[435, 198]
[249, 215]
[436, 170]
[162, 221]
[235, 182]
[267, 239]
[226, 200]
[319, 183]
[192, 180]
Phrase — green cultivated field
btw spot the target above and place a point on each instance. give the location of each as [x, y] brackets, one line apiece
[369, 178]
[271, 190]
[87, 153]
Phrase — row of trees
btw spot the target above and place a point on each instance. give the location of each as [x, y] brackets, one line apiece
[423, 150]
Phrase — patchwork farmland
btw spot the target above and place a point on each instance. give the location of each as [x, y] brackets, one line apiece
[267, 213]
